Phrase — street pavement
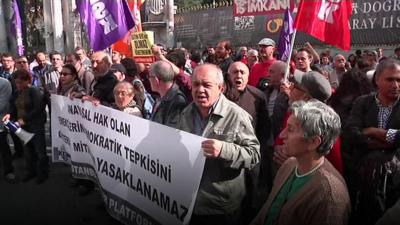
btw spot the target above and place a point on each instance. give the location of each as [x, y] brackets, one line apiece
[54, 202]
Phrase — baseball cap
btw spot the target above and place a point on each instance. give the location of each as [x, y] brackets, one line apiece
[315, 84]
[267, 41]
[118, 67]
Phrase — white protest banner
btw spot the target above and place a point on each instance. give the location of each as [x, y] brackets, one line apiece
[147, 173]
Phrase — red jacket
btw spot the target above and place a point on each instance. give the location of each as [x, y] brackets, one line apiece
[258, 71]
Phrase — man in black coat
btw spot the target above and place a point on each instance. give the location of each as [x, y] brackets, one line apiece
[104, 80]
[172, 101]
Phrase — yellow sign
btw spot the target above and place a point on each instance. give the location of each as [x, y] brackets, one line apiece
[141, 43]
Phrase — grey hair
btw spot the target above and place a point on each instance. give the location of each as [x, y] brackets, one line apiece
[337, 55]
[318, 119]
[387, 64]
[126, 85]
[252, 52]
[219, 75]
[163, 71]
[107, 58]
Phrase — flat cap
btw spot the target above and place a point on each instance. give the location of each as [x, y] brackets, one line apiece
[267, 41]
[315, 84]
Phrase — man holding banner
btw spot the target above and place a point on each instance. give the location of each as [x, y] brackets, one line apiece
[104, 80]
[231, 148]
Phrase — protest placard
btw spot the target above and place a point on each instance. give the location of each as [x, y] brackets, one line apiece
[147, 173]
[141, 46]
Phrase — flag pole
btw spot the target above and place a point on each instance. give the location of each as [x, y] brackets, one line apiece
[286, 77]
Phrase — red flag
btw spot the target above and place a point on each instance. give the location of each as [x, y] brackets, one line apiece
[327, 20]
[124, 46]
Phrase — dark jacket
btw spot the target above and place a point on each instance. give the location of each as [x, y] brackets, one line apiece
[34, 108]
[254, 102]
[170, 107]
[224, 65]
[103, 88]
[38, 73]
[280, 108]
[364, 114]
[371, 171]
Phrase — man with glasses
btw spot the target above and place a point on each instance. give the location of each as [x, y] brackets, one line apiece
[8, 66]
[266, 48]
[307, 86]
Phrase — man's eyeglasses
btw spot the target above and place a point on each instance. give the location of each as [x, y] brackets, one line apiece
[122, 93]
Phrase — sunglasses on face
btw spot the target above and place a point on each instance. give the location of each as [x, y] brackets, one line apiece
[63, 74]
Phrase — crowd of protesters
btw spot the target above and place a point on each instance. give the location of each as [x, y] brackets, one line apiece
[318, 146]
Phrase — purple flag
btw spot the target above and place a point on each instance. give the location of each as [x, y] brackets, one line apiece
[16, 27]
[107, 21]
[285, 37]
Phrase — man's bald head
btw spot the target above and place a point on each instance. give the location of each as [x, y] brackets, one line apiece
[101, 63]
[238, 75]
[276, 73]
[163, 71]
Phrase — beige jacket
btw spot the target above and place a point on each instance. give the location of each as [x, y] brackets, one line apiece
[323, 200]
[222, 186]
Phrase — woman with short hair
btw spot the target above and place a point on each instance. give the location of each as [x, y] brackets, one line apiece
[124, 99]
[307, 188]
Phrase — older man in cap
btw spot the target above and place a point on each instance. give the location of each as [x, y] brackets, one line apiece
[310, 85]
[266, 48]
[230, 148]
